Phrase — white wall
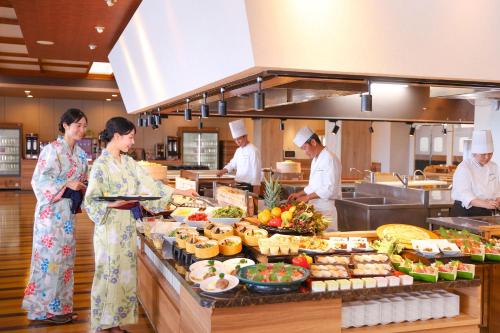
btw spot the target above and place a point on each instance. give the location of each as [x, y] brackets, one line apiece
[391, 147]
[399, 148]
[292, 126]
[381, 139]
[486, 116]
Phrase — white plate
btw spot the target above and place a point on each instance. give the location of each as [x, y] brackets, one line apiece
[224, 220]
[230, 264]
[208, 285]
[196, 224]
[203, 263]
[196, 276]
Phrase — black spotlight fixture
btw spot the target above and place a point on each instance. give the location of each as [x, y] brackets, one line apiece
[205, 110]
[222, 104]
[444, 131]
[282, 124]
[139, 121]
[145, 119]
[154, 120]
[335, 128]
[200, 123]
[259, 97]
[187, 111]
[366, 100]
[412, 130]
[158, 116]
[370, 129]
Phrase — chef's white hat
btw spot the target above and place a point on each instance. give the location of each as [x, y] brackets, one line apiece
[237, 128]
[482, 142]
[302, 136]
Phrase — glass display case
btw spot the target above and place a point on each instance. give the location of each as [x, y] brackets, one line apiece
[200, 148]
[10, 151]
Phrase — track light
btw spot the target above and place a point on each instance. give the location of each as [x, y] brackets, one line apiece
[139, 121]
[282, 124]
[200, 123]
[259, 97]
[366, 100]
[370, 129]
[335, 128]
[222, 104]
[187, 111]
[205, 110]
[412, 130]
[444, 131]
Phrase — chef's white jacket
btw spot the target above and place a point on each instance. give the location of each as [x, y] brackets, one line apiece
[246, 162]
[325, 181]
[474, 181]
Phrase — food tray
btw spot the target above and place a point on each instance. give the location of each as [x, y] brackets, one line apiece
[372, 261]
[284, 231]
[315, 277]
[389, 269]
[186, 259]
[255, 254]
[317, 260]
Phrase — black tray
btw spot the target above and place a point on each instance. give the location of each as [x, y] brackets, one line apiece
[284, 231]
[273, 289]
[128, 198]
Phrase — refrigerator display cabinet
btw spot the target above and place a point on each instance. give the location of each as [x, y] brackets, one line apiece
[200, 148]
[10, 151]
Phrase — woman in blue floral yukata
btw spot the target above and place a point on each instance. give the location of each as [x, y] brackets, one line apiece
[113, 299]
[61, 169]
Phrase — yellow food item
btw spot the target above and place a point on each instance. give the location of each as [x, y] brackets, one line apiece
[206, 249]
[230, 245]
[252, 236]
[276, 212]
[264, 216]
[286, 216]
[404, 233]
[292, 209]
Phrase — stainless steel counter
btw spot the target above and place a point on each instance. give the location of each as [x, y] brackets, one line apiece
[471, 224]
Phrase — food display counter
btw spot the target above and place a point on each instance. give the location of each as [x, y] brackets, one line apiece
[175, 305]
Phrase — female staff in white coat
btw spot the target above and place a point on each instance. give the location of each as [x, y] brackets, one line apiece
[476, 182]
[324, 181]
[246, 159]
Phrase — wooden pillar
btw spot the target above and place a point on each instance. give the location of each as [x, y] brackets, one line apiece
[269, 139]
[356, 146]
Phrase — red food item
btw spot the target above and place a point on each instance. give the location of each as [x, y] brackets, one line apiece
[398, 273]
[275, 222]
[301, 261]
[198, 217]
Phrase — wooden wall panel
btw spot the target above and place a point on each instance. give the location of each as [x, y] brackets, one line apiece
[272, 143]
[47, 120]
[95, 115]
[2, 110]
[356, 146]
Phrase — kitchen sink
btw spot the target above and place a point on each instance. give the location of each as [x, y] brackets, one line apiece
[350, 195]
[374, 201]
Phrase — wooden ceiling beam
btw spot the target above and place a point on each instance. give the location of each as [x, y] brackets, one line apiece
[13, 54]
[5, 3]
[46, 73]
[4, 20]
[19, 62]
[12, 40]
[63, 64]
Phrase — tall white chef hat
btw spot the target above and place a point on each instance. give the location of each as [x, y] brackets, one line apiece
[302, 136]
[237, 128]
[482, 142]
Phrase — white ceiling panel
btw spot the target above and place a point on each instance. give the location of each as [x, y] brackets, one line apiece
[8, 13]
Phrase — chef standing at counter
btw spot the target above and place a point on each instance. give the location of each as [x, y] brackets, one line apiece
[246, 159]
[324, 180]
[476, 182]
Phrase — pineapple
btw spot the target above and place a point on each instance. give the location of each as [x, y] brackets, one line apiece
[272, 193]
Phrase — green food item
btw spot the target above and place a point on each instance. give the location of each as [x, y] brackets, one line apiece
[228, 212]
[272, 193]
[388, 245]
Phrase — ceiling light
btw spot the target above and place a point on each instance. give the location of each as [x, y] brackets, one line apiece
[27, 92]
[200, 123]
[370, 129]
[108, 99]
[45, 42]
[259, 97]
[187, 111]
[101, 68]
[92, 46]
[110, 3]
[30, 96]
[282, 124]
[366, 100]
[444, 131]
[222, 104]
[114, 95]
[99, 29]
[335, 128]
[205, 109]
[412, 130]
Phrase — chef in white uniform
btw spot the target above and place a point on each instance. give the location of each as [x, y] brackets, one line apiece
[324, 180]
[246, 159]
[476, 182]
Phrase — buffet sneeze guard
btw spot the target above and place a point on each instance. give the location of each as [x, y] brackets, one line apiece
[225, 195]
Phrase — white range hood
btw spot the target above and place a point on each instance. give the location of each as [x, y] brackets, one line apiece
[176, 48]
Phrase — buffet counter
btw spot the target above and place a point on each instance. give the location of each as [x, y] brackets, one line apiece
[175, 305]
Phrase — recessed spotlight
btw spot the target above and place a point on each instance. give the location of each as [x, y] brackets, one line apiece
[99, 29]
[110, 3]
[108, 99]
[45, 42]
[92, 46]
[30, 96]
[27, 92]
[114, 95]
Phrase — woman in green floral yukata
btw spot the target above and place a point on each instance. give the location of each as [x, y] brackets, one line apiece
[114, 300]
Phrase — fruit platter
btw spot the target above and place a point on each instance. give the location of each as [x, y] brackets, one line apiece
[273, 278]
[293, 219]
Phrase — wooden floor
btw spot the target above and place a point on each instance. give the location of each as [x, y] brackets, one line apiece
[16, 230]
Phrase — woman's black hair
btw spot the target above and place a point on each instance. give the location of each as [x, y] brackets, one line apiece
[119, 125]
[71, 116]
